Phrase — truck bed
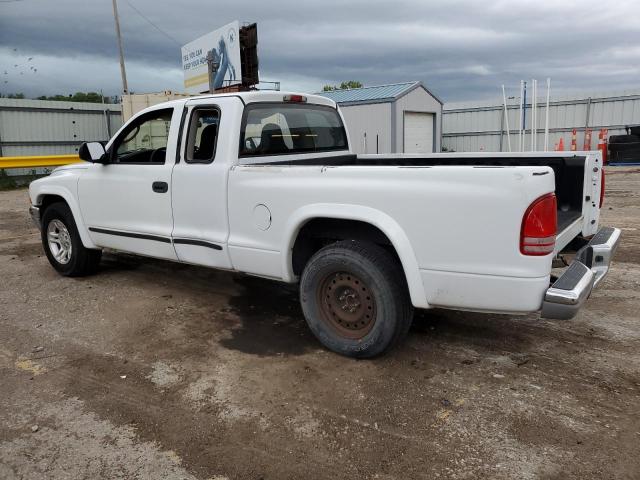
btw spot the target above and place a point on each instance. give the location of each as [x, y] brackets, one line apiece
[567, 218]
[569, 171]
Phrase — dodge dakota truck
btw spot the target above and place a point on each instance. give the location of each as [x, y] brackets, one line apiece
[265, 183]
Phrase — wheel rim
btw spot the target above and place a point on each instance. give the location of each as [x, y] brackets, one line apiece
[346, 304]
[59, 241]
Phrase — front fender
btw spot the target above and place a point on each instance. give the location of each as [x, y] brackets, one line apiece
[374, 217]
[66, 188]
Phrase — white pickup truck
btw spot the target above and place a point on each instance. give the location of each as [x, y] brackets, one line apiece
[264, 183]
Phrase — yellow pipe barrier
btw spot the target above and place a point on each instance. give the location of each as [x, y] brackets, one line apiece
[38, 161]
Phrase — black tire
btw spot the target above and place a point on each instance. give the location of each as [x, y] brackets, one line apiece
[82, 261]
[344, 282]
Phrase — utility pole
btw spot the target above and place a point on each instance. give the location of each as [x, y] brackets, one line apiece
[123, 72]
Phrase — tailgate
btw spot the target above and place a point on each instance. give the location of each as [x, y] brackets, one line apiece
[578, 185]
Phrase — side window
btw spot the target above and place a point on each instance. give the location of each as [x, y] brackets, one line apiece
[145, 139]
[202, 135]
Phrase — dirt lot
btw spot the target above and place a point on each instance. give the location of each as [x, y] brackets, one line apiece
[158, 370]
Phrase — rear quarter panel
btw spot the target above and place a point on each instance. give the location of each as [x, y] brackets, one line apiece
[452, 219]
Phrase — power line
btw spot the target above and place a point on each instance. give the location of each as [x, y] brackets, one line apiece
[153, 24]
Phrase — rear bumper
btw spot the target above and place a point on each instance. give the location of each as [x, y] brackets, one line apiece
[569, 292]
[35, 215]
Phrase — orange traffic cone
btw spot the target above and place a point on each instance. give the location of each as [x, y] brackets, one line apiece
[605, 145]
[560, 147]
[574, 140]
[587, 140]
[601, 142]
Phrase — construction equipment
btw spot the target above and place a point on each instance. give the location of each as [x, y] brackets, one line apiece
[625, 149]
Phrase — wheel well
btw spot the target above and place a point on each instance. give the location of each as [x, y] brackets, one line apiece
[320, 232]
[48, 200]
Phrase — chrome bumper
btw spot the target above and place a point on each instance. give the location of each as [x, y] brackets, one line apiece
[569, 292]
[35, 216]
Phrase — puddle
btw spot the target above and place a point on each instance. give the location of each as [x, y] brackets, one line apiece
[272, 322]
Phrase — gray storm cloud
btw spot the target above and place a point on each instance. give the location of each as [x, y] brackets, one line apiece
[461, 49]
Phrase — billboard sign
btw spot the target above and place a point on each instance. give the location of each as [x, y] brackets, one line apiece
[224, 45]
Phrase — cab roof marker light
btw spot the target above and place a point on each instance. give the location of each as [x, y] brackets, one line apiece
[295, 98]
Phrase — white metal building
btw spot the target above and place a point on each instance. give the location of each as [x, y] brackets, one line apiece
[396, 118]
[132, 103]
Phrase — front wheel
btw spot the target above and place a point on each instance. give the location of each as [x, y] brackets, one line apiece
[355, 299]
[62, 243]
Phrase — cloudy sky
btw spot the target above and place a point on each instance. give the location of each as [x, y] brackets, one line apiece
[461, 49]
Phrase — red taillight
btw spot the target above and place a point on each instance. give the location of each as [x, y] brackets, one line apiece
[602, 187]
[539, 226]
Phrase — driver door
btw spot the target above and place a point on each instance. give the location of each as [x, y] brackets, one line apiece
[126, 203]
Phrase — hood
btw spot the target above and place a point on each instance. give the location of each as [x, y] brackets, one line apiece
[72, 166]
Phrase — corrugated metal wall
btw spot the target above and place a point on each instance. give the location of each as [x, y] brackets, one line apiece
[477, 126]
[41, 127]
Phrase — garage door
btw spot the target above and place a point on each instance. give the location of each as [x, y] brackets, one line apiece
[418, 132]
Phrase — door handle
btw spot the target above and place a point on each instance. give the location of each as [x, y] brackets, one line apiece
[160, 187]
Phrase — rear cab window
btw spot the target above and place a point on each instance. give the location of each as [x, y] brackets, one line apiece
[287, 129]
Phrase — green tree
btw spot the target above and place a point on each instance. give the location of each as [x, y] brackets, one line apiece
[343, 86]
[12, 95]
[90, 97]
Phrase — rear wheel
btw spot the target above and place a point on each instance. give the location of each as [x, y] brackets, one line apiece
[354, 298]
[62, 243]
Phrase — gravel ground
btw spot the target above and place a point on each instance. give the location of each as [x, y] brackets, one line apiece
[156, 370]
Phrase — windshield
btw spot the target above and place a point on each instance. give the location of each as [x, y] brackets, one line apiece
[282, 129]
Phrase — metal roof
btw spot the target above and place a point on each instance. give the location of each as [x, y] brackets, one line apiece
[375, 94]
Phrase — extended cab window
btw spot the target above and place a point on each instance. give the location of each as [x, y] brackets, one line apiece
[145, 139]
[281, 129]
[202, 135]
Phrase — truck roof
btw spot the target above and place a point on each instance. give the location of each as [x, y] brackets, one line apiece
[254, 97]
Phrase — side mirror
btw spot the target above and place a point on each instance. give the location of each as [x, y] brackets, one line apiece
[92, 152]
